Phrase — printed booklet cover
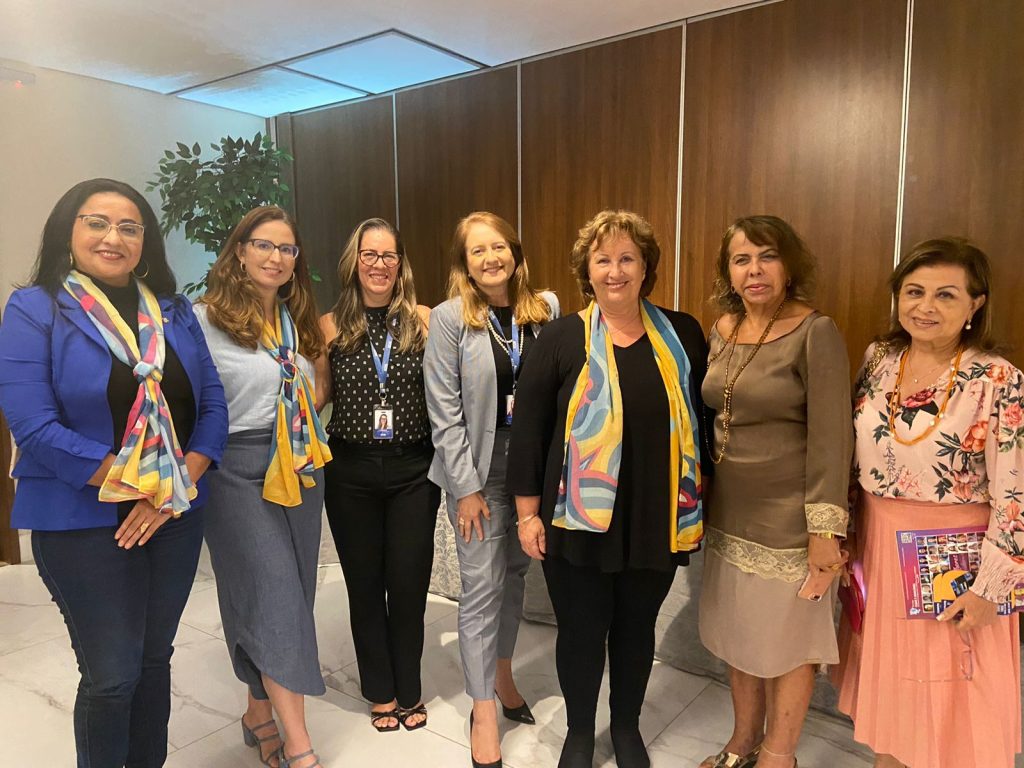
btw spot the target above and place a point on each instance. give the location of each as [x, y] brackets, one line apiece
[937, 565]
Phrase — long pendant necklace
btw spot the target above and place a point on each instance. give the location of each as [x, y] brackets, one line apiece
[730, 386]
[894, 399]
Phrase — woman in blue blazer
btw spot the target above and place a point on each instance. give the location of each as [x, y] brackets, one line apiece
[479, 340]
[117, 411]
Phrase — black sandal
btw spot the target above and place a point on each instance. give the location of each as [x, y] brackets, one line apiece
[405, 713]
[376, 718]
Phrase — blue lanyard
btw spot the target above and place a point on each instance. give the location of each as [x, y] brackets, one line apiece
[511, 347]
[382, 365]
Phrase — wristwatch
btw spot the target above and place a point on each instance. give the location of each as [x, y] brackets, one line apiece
[827, 535]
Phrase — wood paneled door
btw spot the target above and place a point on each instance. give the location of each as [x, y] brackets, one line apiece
[457, 153]
[344, 174]
[794, 109]
[600, 129]
[965, 140]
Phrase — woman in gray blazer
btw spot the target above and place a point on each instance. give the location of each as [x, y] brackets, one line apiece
[479, 340]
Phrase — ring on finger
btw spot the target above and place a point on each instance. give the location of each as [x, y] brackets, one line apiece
[143, 528]
[834, 566]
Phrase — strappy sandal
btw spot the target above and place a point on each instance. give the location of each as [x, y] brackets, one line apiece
[405, 713]
[376, 718]
[252, 740]
[731, 760]
[287, 761]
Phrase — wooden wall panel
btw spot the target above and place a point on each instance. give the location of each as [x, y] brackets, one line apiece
[794, 109]
[965, 140]
[344, 173]
[457, 153]
[600, 129]
[10, 547]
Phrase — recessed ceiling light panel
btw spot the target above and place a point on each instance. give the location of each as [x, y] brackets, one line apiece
[383, 63]
[269, 92]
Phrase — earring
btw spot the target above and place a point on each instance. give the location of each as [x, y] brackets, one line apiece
[968, 326]
[142, 276]
[291, 292]
[71, 258]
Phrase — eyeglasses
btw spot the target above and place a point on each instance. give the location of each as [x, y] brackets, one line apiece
[369, 258]
[265, 248]
[99, 226]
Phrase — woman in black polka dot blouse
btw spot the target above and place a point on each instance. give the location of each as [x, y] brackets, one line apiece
[380, 505]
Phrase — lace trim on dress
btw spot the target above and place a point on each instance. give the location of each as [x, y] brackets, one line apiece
[751, 557]
[826, 518]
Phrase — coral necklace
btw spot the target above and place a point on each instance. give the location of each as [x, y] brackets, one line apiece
[894, 398]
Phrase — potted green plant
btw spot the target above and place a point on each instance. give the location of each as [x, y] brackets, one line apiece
[209, 197]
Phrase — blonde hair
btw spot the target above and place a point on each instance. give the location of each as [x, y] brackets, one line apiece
[233, 303]
[527, 303]
[607, 224]
[349, 312]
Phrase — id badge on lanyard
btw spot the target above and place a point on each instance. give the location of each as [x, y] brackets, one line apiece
[383, 424]
[513, 348]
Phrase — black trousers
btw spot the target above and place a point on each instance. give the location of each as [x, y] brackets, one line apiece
[382, 511]
[595, 608]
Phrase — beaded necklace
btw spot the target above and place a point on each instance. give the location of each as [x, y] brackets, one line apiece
[894, 399]
[730, 386]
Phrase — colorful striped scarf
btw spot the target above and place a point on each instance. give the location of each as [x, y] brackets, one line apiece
[593, 435]
[300, 443]
[150, 464]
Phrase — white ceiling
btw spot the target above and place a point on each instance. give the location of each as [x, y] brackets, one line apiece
[170, 45]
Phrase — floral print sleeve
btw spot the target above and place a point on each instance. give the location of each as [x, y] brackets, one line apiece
[1002, 556]
[972, 452]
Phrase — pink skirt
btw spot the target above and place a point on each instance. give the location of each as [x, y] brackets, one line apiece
[904, 682]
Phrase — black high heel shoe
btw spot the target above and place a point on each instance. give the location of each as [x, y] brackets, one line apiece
[496, 764]
[520, 714]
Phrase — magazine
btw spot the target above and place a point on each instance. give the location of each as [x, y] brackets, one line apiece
[938, 565]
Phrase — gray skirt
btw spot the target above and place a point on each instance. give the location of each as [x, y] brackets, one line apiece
[264, 557]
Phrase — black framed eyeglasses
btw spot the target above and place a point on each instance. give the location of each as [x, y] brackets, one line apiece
[265, 248]
[369, 258]
[99, 226]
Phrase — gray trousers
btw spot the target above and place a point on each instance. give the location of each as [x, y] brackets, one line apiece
[493, 573]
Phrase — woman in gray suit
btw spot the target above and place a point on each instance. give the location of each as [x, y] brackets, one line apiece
[478, 342]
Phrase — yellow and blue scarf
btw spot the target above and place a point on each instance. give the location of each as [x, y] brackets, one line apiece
[300, 443]
[150, 464]
[593, 435]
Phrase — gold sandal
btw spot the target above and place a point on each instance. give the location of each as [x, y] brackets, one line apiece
[731, 760]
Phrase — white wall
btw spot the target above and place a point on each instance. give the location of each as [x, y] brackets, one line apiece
[65, 128]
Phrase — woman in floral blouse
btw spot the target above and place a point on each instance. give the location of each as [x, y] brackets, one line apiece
[939, 445]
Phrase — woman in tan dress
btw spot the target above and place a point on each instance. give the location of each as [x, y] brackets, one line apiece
[778, 380]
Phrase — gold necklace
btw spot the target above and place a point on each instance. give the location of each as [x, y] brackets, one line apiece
[927, 373]
[894, 399]
[730, 386]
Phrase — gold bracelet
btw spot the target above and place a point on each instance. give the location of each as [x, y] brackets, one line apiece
[525, 520]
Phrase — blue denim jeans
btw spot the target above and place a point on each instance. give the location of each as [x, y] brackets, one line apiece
[122, 610]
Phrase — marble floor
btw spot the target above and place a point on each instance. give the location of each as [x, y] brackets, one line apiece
[685, 718]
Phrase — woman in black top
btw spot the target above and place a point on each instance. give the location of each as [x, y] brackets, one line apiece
[97, 343]
[380, 505]
[606, 507]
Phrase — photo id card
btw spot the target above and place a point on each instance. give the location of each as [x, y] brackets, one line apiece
[510, 401]
[383, 423]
